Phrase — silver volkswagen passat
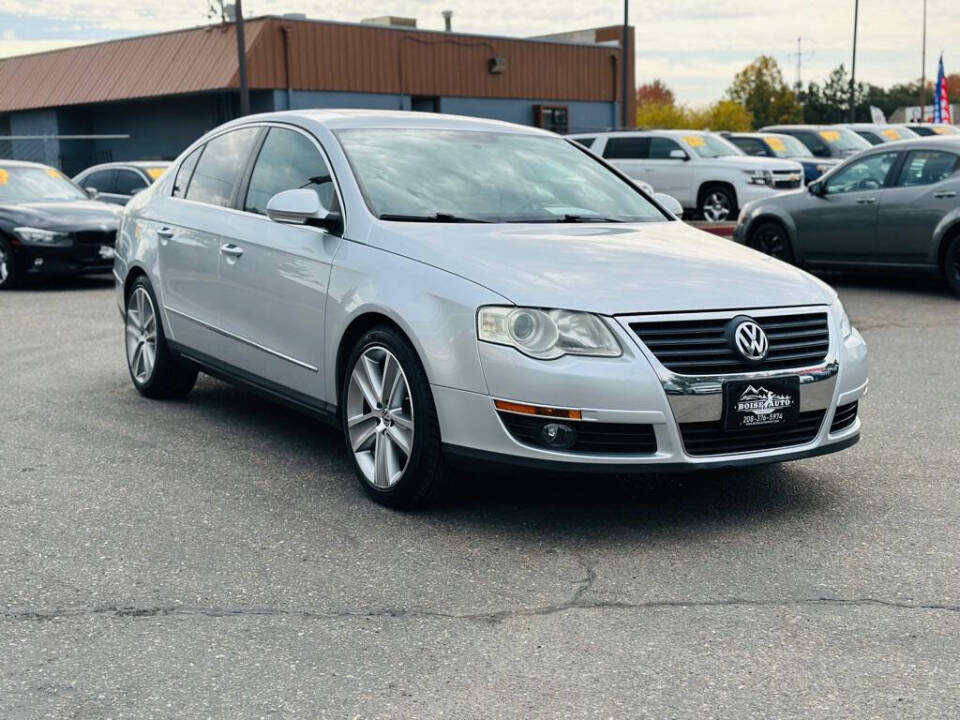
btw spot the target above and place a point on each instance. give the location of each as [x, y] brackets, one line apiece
[444, 287]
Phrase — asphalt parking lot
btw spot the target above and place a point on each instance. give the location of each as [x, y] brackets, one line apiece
[215, 556]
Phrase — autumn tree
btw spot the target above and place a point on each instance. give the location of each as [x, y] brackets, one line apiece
[655, 93]
[760, 88]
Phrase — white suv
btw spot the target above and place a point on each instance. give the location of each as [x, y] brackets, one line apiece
[702, 170]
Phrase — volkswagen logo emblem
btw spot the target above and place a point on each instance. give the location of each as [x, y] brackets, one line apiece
[751, 341]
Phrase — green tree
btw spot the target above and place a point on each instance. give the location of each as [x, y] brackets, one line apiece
[662, 115]
[723, 115]
[760, 88]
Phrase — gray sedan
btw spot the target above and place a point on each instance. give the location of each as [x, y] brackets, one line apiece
[894, 206]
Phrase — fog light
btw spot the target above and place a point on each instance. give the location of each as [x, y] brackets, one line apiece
[37, 262]
[558, 435]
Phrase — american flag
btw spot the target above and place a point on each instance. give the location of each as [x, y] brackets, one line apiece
[941, 100]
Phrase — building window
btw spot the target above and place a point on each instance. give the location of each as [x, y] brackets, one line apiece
[552, 117]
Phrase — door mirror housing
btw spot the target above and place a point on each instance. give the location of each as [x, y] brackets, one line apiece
[816, 188]
[92, 192]
[301, 206]
[679, 155]
[669, 202]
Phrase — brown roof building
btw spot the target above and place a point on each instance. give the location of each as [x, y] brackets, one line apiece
[164, 90]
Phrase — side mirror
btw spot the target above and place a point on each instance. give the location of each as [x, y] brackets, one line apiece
[679, 155]
[92, 192]
[815, 188]
[670, 203]
[301, 206]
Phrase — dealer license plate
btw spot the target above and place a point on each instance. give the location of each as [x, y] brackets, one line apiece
[768, 403]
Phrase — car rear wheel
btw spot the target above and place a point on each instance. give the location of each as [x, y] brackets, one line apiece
[951, 265]
[157, 372]
[717, 204]
[771, 239]
[390, 422]
[8, 269]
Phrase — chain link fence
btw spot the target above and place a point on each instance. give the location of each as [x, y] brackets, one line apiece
[68, 153]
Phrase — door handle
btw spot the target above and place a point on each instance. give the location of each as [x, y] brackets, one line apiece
[945, 194]
[231, 250]
[164, 234]
[867, 201]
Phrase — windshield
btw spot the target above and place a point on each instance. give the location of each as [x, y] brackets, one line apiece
[35, 184]
[469, 176]
[707, 145]
[844, 140]
[786, 146]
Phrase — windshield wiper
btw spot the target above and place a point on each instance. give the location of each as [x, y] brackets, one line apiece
[439, 217]
[571, 218]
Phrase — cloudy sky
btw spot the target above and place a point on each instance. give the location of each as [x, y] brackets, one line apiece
[694, 45]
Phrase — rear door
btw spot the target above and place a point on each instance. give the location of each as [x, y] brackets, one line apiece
[841, 225]
[927, 187]
[193, 219]
[275, 276]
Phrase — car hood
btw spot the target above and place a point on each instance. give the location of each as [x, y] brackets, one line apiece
[608, 268]
[751, 162]
[63, 215]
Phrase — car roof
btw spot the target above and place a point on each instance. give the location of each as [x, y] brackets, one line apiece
[932, 142]
[131, 163]
[757, 134]
[629, 133]
[346, 119]
[23, 163]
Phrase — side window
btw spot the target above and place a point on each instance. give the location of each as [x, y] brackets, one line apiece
[925, 167]
[870, 173]
[627, 148]
[870, 137]
[184, 172]
[661, 147]
[221, 166]
[750, 146]
[814, 144]
[129, 182]
[102, 180]
[288, 160]
[586, 142]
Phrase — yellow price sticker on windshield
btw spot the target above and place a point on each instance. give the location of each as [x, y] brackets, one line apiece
[4, 176]
[941, 131]
[54, 173]
[830, 135]
[776, 144]
[154, 173]
[891, 133]
[695, 140]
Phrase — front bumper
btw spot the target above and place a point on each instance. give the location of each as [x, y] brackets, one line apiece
[636, 389]
[77, 259]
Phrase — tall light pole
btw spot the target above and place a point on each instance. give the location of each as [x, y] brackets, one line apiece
[853, 63]
[923, 65]
[624, 65]
[242, 60]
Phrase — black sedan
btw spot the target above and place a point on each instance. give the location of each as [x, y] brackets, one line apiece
[49, 226]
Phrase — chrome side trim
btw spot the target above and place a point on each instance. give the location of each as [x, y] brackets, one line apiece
[245, 341]
[698, 398]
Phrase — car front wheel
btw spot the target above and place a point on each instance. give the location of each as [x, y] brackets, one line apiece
[951, 265]
[771, 239]
[717, 204]
[390, 422]
[157, 372]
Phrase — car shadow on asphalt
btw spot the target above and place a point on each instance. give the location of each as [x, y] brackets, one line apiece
[908, 282]
[559, 505]
[66, 282]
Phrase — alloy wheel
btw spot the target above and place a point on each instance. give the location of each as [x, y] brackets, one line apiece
[380, 417]
[772, 243]
[141, 332]
[4, 265]
[716, 207]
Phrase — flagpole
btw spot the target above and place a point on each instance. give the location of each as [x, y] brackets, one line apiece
[923, 64]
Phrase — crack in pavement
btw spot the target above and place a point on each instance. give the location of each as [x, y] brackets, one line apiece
[494, 617]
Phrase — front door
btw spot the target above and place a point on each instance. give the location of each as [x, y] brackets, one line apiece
[841, 224]
[926, 189]
[275, 276]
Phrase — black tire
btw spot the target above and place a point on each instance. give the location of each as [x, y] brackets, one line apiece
[951, 265]
[9, 278]
[425, 476]
[714, 197]
[171, 376]
[771, 238]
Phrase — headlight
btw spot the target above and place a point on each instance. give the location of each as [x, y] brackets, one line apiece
[547, 334]
[39, 236]
[759, 177]
[846, 329]
[742, 216]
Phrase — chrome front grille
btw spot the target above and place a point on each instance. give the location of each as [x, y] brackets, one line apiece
[787, 180]
[701, 346]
